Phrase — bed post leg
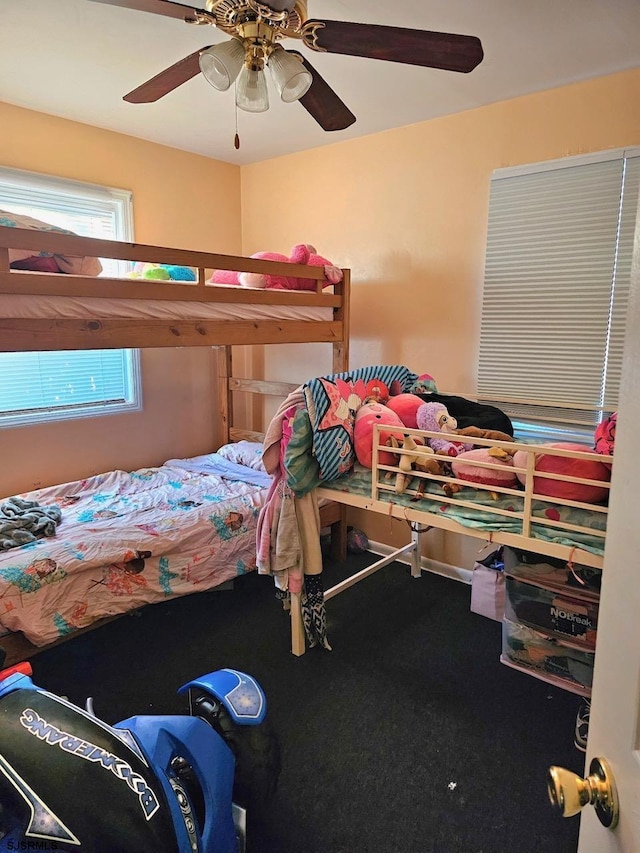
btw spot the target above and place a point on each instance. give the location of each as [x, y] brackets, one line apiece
[297, 628]
[416, 555]
[225, 397]
[339, 536]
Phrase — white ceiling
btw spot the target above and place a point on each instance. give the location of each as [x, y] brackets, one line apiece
[77, 58]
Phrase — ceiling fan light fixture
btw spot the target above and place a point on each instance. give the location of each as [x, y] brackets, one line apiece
[251, 90]
[289, 74]
[221, 64]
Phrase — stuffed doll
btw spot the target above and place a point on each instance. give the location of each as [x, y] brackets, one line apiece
[416, 457]
[434, 417]
[303, 253]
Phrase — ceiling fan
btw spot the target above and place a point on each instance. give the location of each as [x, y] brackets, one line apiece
[256, 29]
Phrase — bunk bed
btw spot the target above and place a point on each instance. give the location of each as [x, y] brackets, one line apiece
[40, 311]
[544, 499]
[46, 310]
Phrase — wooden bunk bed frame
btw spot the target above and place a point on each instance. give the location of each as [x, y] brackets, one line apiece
[95, 332]
[418, 515]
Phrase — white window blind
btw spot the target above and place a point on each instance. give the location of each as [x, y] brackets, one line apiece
[41, 386]
[556, 287]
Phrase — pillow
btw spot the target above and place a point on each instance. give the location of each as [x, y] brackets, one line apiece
[247, 453]
[463, 469]
[25, 259]
[332, 403]
[591, 470]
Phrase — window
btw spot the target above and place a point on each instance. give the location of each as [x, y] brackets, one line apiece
[558, 265]
[46, 386]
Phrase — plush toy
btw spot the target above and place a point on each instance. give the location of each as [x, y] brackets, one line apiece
[464, 468]
[163, 272]
[367, 416]
[424, 384]
[375, 391]
[417, 457]
[565, 489]
[470, 413]
[479, 432]
[605, 435]
[406, 407]
[434, 417]
[303, 253]
[225, 277]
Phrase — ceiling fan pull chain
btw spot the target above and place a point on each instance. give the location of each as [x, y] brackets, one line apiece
[236, 138]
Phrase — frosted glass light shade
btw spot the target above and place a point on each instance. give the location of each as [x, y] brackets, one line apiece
[221, 64]
[251, 91]
[289, 74]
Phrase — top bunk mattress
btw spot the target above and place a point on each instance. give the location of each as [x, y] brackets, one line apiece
[28, 307]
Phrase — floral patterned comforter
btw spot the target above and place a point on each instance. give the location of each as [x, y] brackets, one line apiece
[129, 539]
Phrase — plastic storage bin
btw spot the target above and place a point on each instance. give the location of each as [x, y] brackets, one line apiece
[548, 658]
[550, 572]
[568, 613]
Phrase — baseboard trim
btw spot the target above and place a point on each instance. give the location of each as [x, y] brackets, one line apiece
[446, 570]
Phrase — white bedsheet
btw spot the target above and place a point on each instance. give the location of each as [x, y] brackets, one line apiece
[79, 308]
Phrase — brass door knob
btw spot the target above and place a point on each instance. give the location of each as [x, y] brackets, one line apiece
[569, 793]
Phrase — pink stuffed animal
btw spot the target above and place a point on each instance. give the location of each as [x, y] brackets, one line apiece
[224, 277]
[367, 415]
[303, 253]
[406, 406]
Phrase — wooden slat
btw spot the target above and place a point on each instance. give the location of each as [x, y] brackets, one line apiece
[238, 434]
[31, 335]
[87, 287]
[67, 244]
[259, 386]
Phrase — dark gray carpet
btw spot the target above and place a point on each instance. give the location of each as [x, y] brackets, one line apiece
[409, 737]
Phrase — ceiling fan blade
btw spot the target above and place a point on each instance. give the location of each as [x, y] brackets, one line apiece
[322, 103]
[395, 44]
[182, 11]
[166, 81]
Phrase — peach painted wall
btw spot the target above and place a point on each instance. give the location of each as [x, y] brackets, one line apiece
[406, 210]
[179, 199]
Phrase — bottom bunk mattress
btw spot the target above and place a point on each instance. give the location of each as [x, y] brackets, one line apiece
[127, 539]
